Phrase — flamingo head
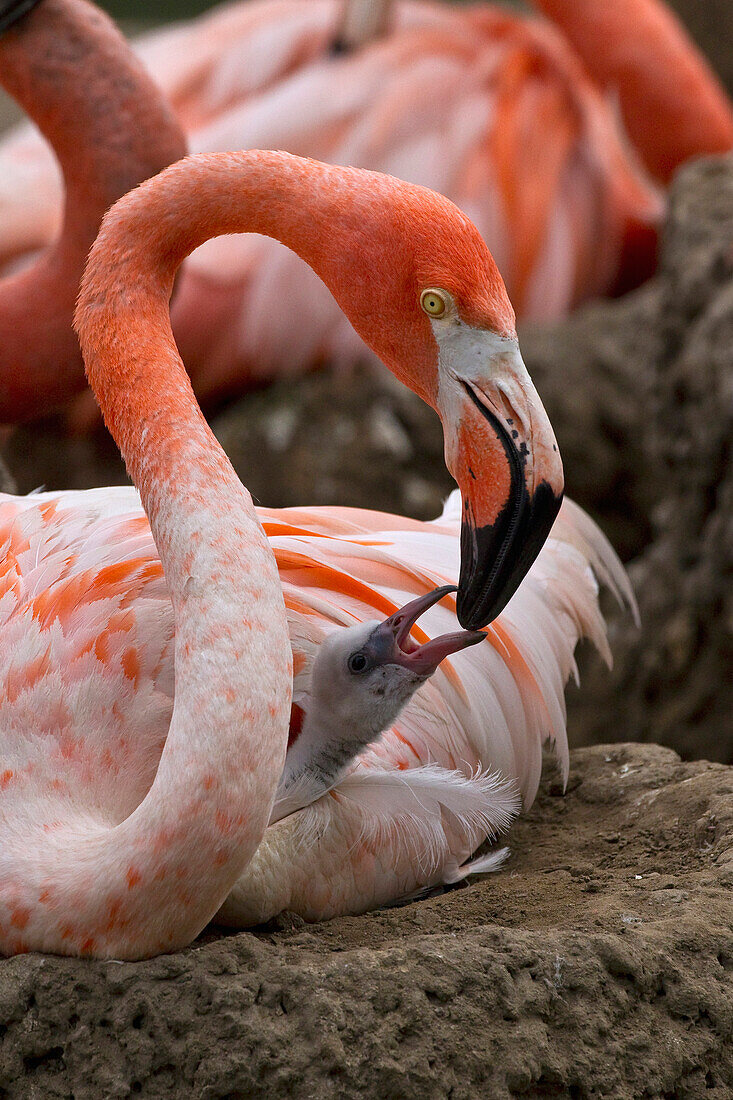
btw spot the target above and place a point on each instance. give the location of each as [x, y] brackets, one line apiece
[422, 289]
[501, 449]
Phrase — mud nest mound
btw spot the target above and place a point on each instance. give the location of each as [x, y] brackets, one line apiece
[597, 963]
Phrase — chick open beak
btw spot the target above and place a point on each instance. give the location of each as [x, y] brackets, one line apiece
[391, 642]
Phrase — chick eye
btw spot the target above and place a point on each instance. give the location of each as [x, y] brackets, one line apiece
[357, 662]
[434, 302]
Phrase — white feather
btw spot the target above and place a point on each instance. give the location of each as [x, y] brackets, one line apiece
[422, 814]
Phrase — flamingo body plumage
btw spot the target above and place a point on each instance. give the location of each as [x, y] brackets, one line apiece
[89, 620]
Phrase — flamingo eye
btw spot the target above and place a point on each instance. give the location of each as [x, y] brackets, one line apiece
[434, 302]
[357, 662]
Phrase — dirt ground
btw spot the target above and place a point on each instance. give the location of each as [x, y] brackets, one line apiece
[597, 963]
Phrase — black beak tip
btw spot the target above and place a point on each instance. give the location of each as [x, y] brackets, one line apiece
[496, 558]
[466, 612]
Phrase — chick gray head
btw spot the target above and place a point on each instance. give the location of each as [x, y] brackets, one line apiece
[361, 679]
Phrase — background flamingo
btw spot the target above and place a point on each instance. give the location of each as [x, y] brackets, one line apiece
[79, 873]
[71, 70]
[517, 122]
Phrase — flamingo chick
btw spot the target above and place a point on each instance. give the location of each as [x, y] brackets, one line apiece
[362, 678]
[419, 801]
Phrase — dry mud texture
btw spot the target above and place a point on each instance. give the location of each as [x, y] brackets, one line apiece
[640, 392]
[597, 963]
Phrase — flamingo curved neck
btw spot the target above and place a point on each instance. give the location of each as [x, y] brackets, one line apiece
[198, 826]
[212, 796]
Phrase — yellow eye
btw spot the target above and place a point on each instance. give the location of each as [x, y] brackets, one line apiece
[434, 302]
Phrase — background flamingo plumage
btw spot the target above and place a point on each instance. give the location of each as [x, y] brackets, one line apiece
[523, 125]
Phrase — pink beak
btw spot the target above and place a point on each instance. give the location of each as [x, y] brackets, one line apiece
[390, 642]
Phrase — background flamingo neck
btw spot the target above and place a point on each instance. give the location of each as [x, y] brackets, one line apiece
[69, 68]
[673, 105]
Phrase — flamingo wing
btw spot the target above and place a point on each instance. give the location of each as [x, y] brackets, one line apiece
[87, 655]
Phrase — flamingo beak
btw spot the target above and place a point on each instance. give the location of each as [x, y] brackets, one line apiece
[390, 641]
[504, 456]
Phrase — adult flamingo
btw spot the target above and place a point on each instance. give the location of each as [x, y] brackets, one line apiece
[516, 121]
[415, 277]
[72, 71]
